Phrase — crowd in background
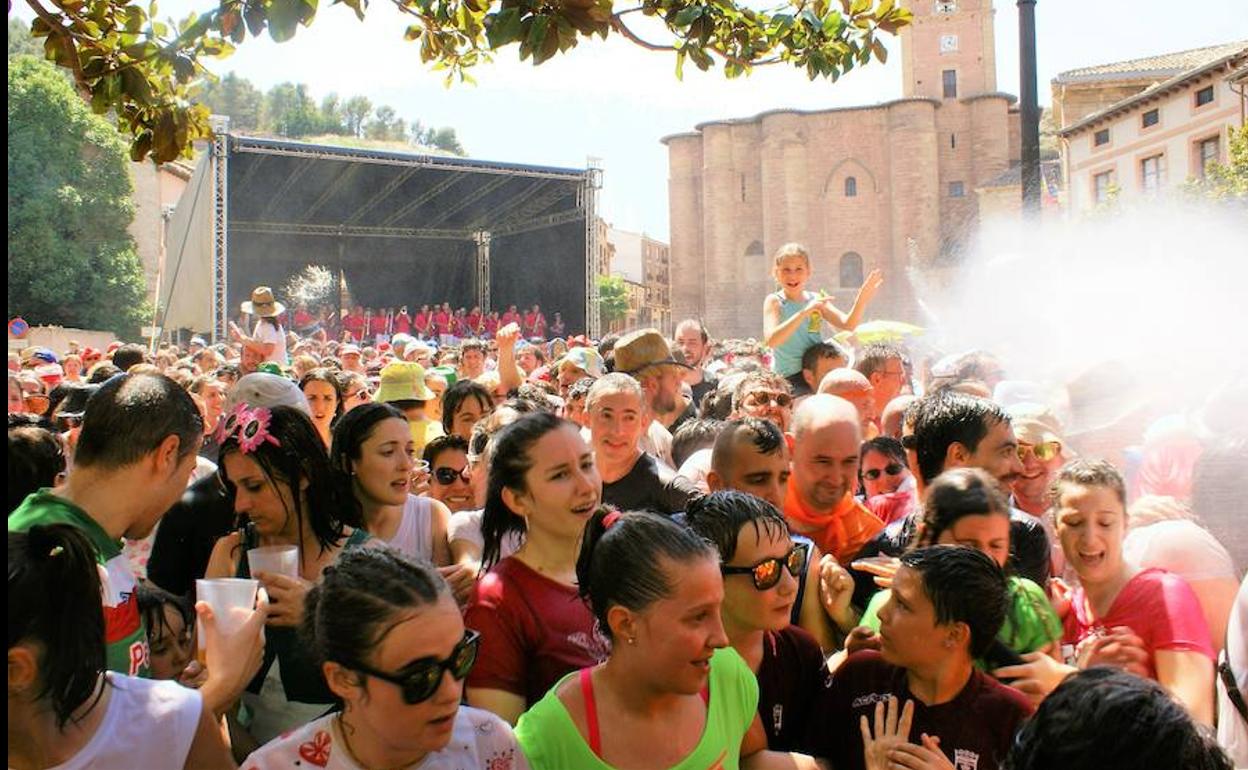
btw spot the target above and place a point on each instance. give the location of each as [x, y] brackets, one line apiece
[637, 551]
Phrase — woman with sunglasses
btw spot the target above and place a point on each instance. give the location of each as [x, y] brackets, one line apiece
[673, 693]
[543, 488]
[392, 645]
[354, 389]
[450, 477]
[761, 566]
[968, 507]
[882, 466]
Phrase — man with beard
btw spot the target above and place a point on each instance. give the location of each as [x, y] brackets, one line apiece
[695, 343]
[645, 356]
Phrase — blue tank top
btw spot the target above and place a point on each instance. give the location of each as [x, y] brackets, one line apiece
[788, 354]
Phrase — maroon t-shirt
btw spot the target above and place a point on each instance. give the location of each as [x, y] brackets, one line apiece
[790, 679]
[534, 630]
[976, 728]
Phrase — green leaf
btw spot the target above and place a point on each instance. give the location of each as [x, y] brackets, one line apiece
[413, 32]
[688, 15]
[832, 23]
[537, 36]
[284, 18]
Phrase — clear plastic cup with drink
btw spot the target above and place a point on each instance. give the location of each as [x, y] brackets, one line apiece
[274, 559]
[232, 601]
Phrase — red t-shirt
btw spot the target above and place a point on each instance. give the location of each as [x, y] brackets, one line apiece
[539, 327]
[1159, 606]
[377, 324]
[491, 325]
[474, 322]
[534, 631]
[422, 323]
[976, 728]
[303, 319]
[354, 324]
[402, 324]
[442, 321]
[510, 317]
[790, 678]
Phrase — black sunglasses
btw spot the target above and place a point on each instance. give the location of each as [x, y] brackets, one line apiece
[423, 678]
[768, 571]
[447, 476]
[892, 469]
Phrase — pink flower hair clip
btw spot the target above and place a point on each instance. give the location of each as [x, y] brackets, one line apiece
[253, 431]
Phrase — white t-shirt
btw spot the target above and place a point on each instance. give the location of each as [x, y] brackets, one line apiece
[466, 526]
[480, 741]
[1232, 730]
[657, 442]
[696, 469]
[414, 537]
[149, 723]
[1182, 547]
[266, 332]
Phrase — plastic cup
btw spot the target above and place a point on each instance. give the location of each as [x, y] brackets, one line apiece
[275, 559]
[231, 599]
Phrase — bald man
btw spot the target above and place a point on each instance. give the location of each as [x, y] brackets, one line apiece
[894, 415]
[824, 443]
[857, 390]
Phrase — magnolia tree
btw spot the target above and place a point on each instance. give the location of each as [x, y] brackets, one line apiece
[147, 72]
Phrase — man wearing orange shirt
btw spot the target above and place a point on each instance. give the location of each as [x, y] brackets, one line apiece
[824, 440]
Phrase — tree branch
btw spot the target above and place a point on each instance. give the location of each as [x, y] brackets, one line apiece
[619, 26]
[60, 31]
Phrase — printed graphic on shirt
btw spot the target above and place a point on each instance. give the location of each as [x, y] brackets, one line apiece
[317, 751]
[595, 645]
[964, 759]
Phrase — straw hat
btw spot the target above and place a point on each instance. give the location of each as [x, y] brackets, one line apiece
[263, 303]
[403, 381]
[643, 349]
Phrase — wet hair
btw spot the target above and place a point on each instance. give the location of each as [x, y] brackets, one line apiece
[763, 435]
[329, 377]
[693, 436]
[352, 430]
[360, 598]
[945, 418]
[54, 602]
[36, 458]
[347, 379]
[957, 493]
[473, 344]
[1089, 473]
[102, 372]
[300, 457]
[720, 516]
[792, 250]
[128, 355]
[509, 462]
[885, 445]
[819, 351]
[1105, 719]
[580, 388]
[765, 378]
[198, 384]
[152, 602]
[716, 404]
[228, 370]
[624, 564]
[457, 394]
[964, 586]
[872, 357]
[130, 416]
[539, 395]
[447, 443]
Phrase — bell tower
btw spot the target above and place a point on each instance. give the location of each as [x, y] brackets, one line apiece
[948, 51]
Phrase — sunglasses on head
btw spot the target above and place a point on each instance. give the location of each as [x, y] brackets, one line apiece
[1043, 452]
[892, 469]
[422, 679]
[767, 572]
[446, 475]
[781, 400]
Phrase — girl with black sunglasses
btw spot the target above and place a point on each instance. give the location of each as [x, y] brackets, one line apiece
[761, 565]
[392, 645]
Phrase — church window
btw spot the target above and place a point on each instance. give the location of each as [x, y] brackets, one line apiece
[851, 270]
[950, 80]
[755, 249]
[946, 6]
[957, 190]
[851, 187]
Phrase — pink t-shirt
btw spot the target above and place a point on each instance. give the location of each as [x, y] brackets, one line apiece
[1157, 605]
[534, 631]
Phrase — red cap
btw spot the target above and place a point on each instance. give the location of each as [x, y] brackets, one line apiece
[90, 353]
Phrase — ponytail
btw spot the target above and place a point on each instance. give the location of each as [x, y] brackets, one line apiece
[55, 601]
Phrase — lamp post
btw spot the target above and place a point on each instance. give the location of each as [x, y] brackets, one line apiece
[1029, 109]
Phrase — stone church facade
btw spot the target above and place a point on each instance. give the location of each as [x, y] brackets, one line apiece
[889, 185]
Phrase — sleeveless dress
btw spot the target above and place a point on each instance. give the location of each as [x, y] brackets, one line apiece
[414, 537]
[788, 354]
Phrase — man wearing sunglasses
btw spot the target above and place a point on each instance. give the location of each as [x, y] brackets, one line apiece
[1040, 446]
[884, 366]
[761, 567]
[451, 479]
[765, 395]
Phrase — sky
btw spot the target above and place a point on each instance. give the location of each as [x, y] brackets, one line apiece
[614, 101]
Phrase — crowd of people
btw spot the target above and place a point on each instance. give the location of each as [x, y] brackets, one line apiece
[634, 552]
[441, 323]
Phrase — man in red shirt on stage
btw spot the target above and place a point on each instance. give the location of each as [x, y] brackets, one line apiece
[511, 317]
[424, 321]
[442, 320]
[377, 324]
[354, 323]
[539, 324]
[402, 322]
[474, 321]
[490, 325]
